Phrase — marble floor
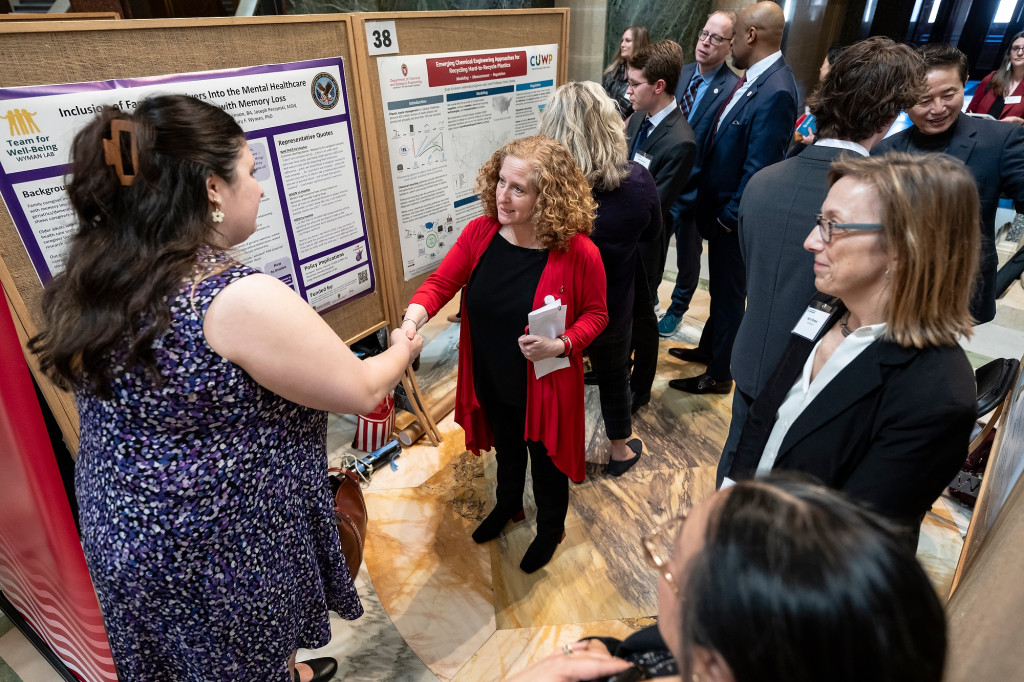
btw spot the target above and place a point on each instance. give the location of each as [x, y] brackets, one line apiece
[440, 607]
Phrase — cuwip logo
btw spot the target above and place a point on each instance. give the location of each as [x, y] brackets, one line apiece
[541, 59]
[21, 122]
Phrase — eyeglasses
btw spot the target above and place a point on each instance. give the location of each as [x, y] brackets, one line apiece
[826, 227]
[714, 39]
[1019, 49]
[636, 85]
[659, 545]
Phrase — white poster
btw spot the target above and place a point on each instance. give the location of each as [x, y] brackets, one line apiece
[444, 116]
[311, 231]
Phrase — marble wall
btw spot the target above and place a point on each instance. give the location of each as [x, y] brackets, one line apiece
[679, 21]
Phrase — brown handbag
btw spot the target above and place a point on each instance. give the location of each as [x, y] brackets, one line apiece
[350, 515]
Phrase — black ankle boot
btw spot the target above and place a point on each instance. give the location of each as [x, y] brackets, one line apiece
[491, 527]
[540, 551]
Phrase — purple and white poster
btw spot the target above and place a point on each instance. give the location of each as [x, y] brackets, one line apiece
[311, 228]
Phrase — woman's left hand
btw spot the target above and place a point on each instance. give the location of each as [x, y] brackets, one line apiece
[1014, 119]
[536, 348]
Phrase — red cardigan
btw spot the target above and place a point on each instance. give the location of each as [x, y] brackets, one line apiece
[554, 403]
[984, 98]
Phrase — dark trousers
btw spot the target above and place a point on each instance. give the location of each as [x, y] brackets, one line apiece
[511, 450]
[609, 357]
[653, 254]
[688, 249]
[644, 336]
[727, 284]
[740, 406]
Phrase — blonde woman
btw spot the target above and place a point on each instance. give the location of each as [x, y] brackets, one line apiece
[583, 118]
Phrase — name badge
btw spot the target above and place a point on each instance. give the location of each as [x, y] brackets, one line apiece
[643, 159]
[1015, 99]
[811, 324]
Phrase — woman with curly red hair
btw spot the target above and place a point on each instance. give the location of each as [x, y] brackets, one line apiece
[530, 244]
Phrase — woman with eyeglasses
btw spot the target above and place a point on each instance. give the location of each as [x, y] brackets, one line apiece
[614, 80]
[775, 579]
[873, 395]
[999, 94]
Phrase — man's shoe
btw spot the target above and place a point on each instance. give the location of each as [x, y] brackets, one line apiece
[690, 355]
[636, 401]
[701, 384]
[668, 325]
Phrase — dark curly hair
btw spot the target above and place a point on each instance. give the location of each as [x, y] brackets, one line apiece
[865, 89]
[564, 205]
[135, 244]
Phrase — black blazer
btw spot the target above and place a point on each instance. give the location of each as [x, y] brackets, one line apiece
[994, 153]
[891, 429]
[672, 149]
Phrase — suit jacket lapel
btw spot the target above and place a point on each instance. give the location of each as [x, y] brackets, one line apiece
[963, 141]
[749, 95]
[712, 93]
[856, 380]
[661, 129]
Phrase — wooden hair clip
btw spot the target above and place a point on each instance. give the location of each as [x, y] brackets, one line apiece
[112, 149]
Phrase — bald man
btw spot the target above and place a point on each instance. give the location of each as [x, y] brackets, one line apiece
[752, 130]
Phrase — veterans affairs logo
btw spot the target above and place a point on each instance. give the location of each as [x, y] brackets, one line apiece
[325, 90]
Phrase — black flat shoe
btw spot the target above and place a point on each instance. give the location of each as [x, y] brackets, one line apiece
[491, 527]
[636, 401]
[701, 384]
[617, 467]
[690, 355]
[540, 551]
[323, 669]
[590, 379]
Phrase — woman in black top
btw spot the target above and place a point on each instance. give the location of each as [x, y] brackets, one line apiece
[614, 79]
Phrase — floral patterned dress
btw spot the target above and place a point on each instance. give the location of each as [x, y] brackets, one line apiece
[206, 513]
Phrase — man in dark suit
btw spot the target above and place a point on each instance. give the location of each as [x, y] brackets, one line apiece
[703, 88]
[992, 150]
[752, 130]
[661, 140]
[855, 106]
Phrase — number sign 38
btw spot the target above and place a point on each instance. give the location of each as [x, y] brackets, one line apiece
[381, 37]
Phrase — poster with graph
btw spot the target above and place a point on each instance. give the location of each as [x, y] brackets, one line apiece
[444, 115]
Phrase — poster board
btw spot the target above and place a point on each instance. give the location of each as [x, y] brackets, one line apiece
[69, 16]
[435, 33]
[72, 52]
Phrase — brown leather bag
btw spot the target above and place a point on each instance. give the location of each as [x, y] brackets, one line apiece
[350, 515]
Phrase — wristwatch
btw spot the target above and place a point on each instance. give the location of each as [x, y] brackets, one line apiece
[568, 346]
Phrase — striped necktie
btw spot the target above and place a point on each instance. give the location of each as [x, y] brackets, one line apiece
[691, 94]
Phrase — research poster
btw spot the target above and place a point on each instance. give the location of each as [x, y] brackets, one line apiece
[311, 229]
[444, 115]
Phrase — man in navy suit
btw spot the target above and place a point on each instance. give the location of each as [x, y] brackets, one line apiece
[992, 150]
[868, 86]
[661, 140]
[752, 130]
[703, 87]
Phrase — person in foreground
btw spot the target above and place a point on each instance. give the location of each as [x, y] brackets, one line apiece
[530, 245]
[872, 395]
[999, 93]
[206, 515]
[775, 579]
[583, 118]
